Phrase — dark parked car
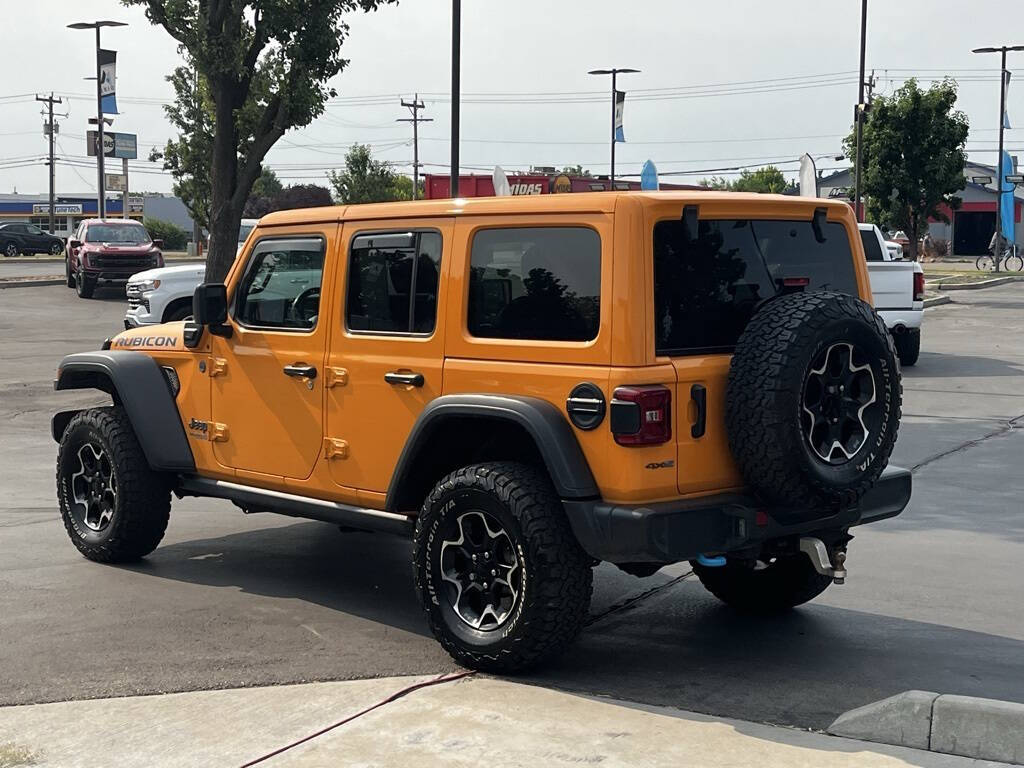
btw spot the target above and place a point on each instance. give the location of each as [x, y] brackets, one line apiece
[109, 251]
[27, 238]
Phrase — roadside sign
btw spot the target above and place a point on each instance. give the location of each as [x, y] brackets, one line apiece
[136, 203]
[123, 145]
[60, 209]
[114, 182]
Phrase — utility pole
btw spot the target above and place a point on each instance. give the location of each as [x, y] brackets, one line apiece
[51, 132]
[414, 107]
[858, 113]
[456, 93]
[1000, 176]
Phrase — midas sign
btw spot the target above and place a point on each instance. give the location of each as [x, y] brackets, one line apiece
[527, 189]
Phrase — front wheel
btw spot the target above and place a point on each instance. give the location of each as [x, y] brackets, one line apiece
[503, 581]
[11, 250]
[1013, 263]
[114, 507]
[84, 286]
[984, 263]
[67, 272]
[764, 587]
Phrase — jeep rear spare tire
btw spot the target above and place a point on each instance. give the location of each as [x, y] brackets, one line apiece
[813, 399]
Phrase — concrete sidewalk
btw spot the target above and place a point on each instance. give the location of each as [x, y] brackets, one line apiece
[468, 722]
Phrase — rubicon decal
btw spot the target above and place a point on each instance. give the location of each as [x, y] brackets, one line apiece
[146, 341]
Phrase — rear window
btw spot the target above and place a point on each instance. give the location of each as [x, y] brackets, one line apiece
[541, 283]
[707, 288]
[872, 250]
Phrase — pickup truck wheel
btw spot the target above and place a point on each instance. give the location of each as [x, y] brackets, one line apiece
[502, 579]
[183, 312]
[813, 400]
[84, 286]
[114, 507]
[67, 272]
[764, 588]
[908, 346]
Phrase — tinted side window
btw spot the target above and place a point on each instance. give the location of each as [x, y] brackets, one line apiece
[707, 287]
[385, 293]
[281, 286]
[540, 283]
[872, 250]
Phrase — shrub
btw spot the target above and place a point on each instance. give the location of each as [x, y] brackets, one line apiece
[175, 238]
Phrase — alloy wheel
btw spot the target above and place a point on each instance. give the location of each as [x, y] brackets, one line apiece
[482, 571]
[838, 392]
[94, 488]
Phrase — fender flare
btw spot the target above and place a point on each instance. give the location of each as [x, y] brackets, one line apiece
[137, 383]
[542, 421]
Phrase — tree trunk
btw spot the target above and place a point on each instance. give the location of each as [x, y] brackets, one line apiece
[225, 219]
[912, 236]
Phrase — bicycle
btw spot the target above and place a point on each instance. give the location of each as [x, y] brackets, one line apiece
[1009, 261]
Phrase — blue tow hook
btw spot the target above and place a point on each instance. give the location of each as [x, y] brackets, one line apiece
[710, 562]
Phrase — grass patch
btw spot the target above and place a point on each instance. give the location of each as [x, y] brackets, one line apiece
[14, 756]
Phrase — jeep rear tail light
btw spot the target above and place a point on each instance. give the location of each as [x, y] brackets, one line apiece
[641, 415]
[919, 286]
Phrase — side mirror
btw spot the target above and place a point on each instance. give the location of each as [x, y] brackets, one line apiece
[158, 243]
[210, 308]
[75, 244]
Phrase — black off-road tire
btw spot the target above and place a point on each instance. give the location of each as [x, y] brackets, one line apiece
[769, 377]
[780, 585]
[143, 500]
[557, 574]
[84, 286]
[67, 273]
[908, 346]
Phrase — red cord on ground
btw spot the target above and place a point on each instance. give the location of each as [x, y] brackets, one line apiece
[397, 695]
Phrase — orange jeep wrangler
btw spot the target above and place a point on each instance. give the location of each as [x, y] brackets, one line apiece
[526, 387]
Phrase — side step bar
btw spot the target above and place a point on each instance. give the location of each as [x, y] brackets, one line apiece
[261, 500]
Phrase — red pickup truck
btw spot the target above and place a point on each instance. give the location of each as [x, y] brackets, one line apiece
[109, 251]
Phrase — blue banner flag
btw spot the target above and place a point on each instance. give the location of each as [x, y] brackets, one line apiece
[620, 104]
[1006, 197]
[108, 78]
[649, 176]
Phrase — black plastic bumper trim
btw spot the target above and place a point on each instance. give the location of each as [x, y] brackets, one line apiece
[671, 532]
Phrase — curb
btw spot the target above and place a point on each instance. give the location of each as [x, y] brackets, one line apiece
[983, 729]
[30, 283]
[936, 301]
[978, 285]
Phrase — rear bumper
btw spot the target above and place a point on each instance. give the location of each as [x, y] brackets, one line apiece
[901, 319]
[671, 532]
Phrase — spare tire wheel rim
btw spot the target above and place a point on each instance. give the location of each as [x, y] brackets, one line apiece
[839, 390]
[94, 487]
[481, 567]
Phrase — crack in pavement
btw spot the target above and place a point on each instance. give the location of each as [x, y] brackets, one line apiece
[1005, 429]
[630, 602]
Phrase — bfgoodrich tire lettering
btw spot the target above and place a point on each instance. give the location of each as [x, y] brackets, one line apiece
[772, 380]
[135, 523]
[553, 586]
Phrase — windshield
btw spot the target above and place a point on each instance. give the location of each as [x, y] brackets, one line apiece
[243, 232]
[133, 234]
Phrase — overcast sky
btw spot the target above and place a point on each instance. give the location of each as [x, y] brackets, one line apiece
[736, 82]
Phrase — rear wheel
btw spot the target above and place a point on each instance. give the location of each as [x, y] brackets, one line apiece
[503, 581]
[56, 249]
[984, 263]
[114, 507]
[908, 346]
[764, 587]
[1014, 263]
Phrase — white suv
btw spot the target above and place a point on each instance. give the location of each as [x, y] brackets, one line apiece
[164, 295]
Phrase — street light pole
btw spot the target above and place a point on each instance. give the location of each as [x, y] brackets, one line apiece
[101, 192]
[859, 113]
[1000, 180]
[614, 72]
[456, 91]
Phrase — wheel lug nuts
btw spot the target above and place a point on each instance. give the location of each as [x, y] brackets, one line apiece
[494, 572]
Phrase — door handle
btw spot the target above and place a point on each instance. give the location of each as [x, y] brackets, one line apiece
[699, 395]
[300, 370]
[406, 379]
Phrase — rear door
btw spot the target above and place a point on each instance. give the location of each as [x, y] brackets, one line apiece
[387, 347]
[707, 286]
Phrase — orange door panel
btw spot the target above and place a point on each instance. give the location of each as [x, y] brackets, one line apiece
[382, 368]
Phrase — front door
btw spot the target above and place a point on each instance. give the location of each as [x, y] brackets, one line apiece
[386, 358]
[267, 382]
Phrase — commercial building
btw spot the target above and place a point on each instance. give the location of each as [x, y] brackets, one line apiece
[69, 210]
[436, 186]
[970, 226]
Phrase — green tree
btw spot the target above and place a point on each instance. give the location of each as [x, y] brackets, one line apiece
[265, 65]
[365, 180]
[765, 180]
[175, 238]
[188, 156]
[913, 157]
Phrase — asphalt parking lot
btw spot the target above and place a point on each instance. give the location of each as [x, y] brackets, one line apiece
[933, 600]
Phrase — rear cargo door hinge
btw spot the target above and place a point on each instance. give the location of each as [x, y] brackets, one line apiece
[218, 366]
[335, 377]
[335, 449]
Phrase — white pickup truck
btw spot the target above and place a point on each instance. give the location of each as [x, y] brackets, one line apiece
[898, 289]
